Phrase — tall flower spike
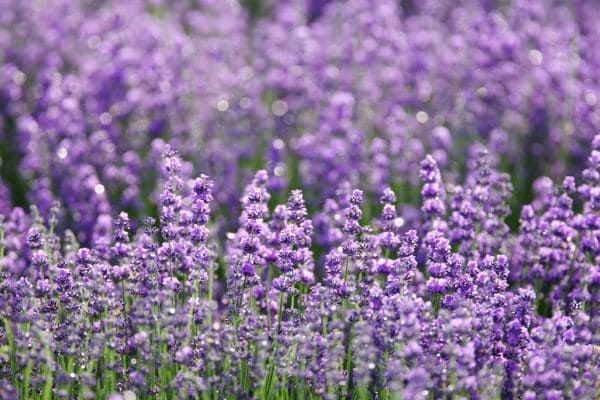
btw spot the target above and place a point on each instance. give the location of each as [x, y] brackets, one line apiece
[352, 228]
[198, 231]
[389, 220]
[248, 254]
[433, 193]
[302, 238]
[171, 201]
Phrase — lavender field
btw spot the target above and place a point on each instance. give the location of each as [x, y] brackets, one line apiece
[299, 199]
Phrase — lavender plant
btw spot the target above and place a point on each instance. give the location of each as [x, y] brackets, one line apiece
[391, 311]
[402, 203]
[315, 92]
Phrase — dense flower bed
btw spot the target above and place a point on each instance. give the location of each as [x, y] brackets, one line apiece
[403, 201]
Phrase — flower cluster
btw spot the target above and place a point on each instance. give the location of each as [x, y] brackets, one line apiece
[403, 201]
[319, 92]
[454, 306]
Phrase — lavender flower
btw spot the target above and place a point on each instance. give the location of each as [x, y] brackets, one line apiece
[404, 199]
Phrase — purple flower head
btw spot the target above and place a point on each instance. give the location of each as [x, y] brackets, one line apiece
[432, 191]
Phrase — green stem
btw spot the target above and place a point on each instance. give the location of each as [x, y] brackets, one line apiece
[26, 378]
[11, 349]
[242, 296]
[435, 304]
[271, 374]
[47, 390]
[126, 318]
[346, 267]
[190, 321]
[349, 362]
[210, 292]
[280, 312]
